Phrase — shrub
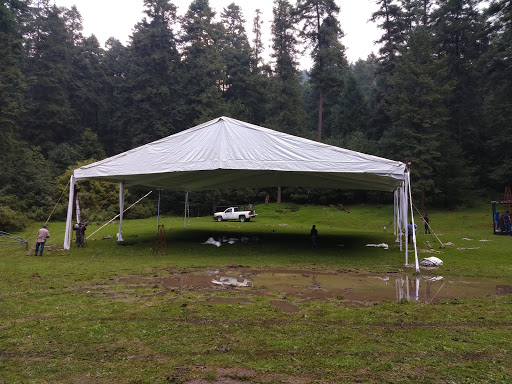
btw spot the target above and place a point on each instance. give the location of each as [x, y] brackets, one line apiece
[11, 220]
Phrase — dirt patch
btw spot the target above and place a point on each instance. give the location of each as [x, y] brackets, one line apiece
[285, 306]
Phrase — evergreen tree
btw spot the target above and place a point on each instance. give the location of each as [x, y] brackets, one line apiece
[258, 46]
[153, 95]
[258, 85]
[497, 100]
[286, 112]
[459, 28]
[12, 82]
[323, 34]
[204, 69]
[420, 92]
[87, 89]
[236, 54]
[115, 66]
[391, 21]
[48, 120]
[365, 72]
[351, 113]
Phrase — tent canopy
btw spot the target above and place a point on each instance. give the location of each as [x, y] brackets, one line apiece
[226, 153]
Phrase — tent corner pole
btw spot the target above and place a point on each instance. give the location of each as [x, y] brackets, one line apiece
[158, 212]
[69, 217]
[417, 265]
[186, 209]
[121, 209]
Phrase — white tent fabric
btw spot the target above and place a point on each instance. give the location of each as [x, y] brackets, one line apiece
[226, 153]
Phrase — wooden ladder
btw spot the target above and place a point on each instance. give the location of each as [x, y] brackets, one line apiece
[160, 241]
[507, 198]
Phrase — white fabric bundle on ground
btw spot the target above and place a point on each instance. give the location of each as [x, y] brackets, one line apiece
[431, 262]
[212, 241]
[381, 245]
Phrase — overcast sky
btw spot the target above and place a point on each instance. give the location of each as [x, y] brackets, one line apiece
[116, 18]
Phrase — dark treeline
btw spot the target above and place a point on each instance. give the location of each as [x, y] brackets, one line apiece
[438, 93]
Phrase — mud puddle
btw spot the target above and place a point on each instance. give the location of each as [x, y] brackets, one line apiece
[313, 285]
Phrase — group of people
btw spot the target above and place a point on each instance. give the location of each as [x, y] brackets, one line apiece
[502, 223]
[44, 234]
[410, 229]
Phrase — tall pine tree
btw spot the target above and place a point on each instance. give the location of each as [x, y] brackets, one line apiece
[204, 69]
[49, 119]
[236, 54]
[153, 92]
[322, 32]
[286, 112]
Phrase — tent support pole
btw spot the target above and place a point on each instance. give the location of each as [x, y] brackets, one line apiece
[405, 207]
[186, 209]
[121, 210]
[158, 212]
[413, 231]
[67, 234]
[395, 212]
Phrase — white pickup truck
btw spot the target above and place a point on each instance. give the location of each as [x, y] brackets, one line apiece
[232, 213]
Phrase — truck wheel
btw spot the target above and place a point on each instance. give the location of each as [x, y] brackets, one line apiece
[242, 218]
[219, 218]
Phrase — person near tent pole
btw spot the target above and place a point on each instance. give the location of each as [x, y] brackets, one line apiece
[506, 222]
[42, 235]
[425, 222]
[497, 221]
[314, 236]
[410, 231]
[78, 240]
[79, 229]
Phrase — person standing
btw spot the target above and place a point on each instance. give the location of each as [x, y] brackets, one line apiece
[410, 228]
[79, 234]
[42, 235]
[314, 236]
[425, 223]
[506, 222]
[497, 221]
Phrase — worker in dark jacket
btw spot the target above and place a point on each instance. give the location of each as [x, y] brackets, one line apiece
[314, 236]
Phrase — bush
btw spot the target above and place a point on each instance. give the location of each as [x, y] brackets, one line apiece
[11, 220]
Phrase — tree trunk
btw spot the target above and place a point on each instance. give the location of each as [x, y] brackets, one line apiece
[278, 195]
[320, 112]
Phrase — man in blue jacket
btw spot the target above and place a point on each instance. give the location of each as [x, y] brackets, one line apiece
[409, 231]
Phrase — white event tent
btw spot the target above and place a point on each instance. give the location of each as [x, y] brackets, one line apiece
[226, 153]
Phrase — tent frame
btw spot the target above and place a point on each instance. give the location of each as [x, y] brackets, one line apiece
[286, 159]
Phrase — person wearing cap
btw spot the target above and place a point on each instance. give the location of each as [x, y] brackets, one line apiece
[42, 235]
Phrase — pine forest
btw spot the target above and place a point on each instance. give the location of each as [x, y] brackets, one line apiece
[437, 94]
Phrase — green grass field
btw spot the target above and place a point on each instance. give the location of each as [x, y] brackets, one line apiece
[103, 313]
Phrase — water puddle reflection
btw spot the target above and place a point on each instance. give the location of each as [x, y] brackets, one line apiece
[307, 285]
[358, 287]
